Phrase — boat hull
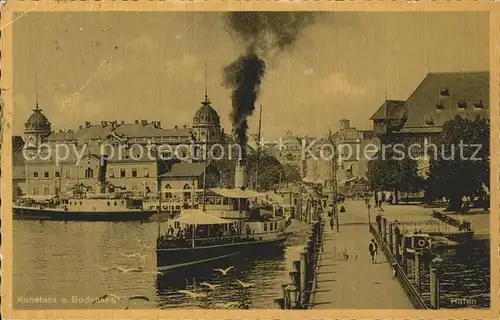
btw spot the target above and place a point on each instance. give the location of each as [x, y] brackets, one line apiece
[176, 258]
[61, 215]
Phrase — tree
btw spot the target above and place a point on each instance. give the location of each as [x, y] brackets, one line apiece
[270, 170]
[291, 173]
[462, 164]
[393, 172]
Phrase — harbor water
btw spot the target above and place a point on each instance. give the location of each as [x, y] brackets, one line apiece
[71, 263]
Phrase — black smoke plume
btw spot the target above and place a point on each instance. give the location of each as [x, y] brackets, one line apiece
[265, 35]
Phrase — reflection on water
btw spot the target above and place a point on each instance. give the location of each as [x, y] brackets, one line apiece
[75, 260]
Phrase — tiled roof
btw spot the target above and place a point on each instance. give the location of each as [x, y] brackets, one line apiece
[128, 130]
[184, 169]
[436, 99]
[395, 109]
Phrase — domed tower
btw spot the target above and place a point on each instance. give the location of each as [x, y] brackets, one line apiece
[36, 129]
[206, 123]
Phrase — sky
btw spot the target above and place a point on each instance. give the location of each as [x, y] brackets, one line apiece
[97, 66]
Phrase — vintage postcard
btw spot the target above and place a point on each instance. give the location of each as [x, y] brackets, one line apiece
[249, 160]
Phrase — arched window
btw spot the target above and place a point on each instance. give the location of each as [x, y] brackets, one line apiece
[168, 195]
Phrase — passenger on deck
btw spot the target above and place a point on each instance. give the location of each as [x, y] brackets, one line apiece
[170, 232]
[248, 230]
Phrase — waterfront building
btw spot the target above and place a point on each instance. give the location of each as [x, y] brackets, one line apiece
[350, 161]
[128, 167]
[440, 97]
[289, 151]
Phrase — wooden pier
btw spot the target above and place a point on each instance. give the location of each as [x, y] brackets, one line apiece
[340, 274]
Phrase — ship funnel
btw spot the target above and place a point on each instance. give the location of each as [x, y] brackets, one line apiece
[239, 174]
[102, 173]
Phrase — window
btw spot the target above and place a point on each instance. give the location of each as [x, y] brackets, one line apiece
[35, 191]
[46, 174]
[46, 191]
[114, 203]
[122, 173]
[108, 203]
[275, 226]
[57, 174]
[134, 173]
[35, 175]
[111, 173]
[271, 226]
[68, 173]
[89, 173]
[146, 172]
[265, 226]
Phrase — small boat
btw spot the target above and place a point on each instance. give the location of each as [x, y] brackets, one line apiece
[99, 208]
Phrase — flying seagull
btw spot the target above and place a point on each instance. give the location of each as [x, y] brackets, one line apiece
[192, 294]
[127, 270]
[224, 271]
[209, 285]
[244, 284]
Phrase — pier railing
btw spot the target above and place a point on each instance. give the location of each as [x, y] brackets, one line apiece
[390, 242]
[297, 293]
[400, 274]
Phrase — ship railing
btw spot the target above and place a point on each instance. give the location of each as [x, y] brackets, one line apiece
[206, 241]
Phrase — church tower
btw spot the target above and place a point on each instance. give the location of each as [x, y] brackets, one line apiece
[36, 129]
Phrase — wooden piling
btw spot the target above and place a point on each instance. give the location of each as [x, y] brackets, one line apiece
[285, 296]
[296, 273]
[389, 233]
[404, 262]
[303, 275]
[384, 229]
[434, 288]
[418, 258]
[397, 254]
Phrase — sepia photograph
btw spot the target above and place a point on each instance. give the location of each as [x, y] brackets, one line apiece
[279, 160]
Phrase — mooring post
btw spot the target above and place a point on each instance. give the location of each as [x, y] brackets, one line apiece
[303, 275]
[310, 260]
[418, 258]
[384, 229]
[390, 236]
[434, 287]
[404, 262]
[397, 255]
[285, 296]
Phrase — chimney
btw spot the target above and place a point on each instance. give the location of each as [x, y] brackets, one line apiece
[239, 175]
[87, 124]
[185, 126]
[136, 121]
[176, 127]
[158, 123]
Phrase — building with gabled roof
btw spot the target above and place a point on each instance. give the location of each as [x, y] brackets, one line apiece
[439, 98]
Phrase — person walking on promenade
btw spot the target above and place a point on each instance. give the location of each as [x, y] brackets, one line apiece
[372, 248]
[331, 222]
